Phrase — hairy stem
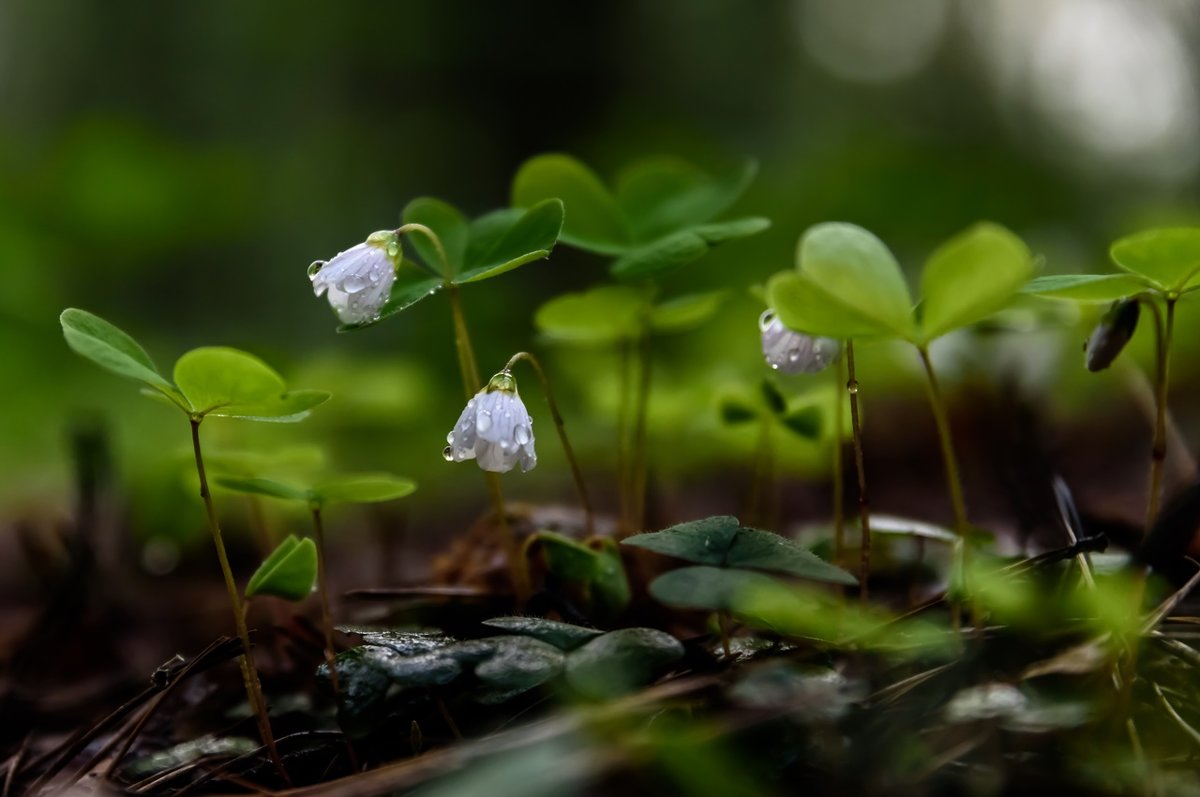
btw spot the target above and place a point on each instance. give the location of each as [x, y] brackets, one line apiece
[323, 589]
[246, 661]
[864, 510]
[568, 451]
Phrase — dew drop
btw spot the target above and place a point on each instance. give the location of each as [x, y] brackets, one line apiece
[774, 366]
[450, 438]
[793, 355]
[852, 387]
[393, 248]
[521, 435]
[315, 267]
[448, 454]
[483, 422]
[353, 283]
[765, 320]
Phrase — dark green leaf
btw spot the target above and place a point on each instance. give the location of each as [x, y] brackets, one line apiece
[805, 422]
[709, 588]
[519, 664]
[288, 573]
[530, 238]
[775, 400]
[735, 410]
[104, 344]
[563, 636]
[702, 541]
[448, 224]
[682, 247]
[593, 221]
[621, 661]
[764, 550]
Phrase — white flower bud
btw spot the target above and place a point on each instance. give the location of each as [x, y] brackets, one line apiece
[358, 281]
[791, 352]
[494, 429]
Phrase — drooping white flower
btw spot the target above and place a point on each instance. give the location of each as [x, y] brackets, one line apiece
[791, 352]
[358, 281]
[494, 429]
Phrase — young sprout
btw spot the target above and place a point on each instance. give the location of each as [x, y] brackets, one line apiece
[358, 282]
[207, 382]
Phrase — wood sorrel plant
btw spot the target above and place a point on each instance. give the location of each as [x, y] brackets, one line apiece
[657, 217]
[848, 285]
[207, 382]
[451, 252]
[1161, 266]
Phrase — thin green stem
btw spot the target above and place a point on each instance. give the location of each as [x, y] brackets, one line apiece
[864, 508]
[560, 427]
[641, 405]
[1158, 451]
[623, 384]
[323, 590]
[839, 481]
[246, 662]
[467, 365]
[435, 241]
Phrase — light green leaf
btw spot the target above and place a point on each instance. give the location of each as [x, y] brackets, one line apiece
[702, 541]
[405, 293]
[765, 550]
[602, 315]
[1169, 258]
[718, 232]
[267, 487]
[593, 220]
[288, 573]
[970, 277]
[659, 195]
[531, 237]
[448, 224]
[366, 488]
[1101, 288]
[685, 312]
[714, 589]
[568, 559]
[804, 306]
[213, 377]
[109, 347]
[291, 407]
[858, 272]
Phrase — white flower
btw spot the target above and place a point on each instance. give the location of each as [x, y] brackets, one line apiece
[495, 429]
[359, 280]
[791, 352]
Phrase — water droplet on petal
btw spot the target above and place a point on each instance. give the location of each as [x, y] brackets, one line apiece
[448, 454]
[393, 248]
[450, 438]
[793, 355]
[765, 320]
[315, 267]
[353, 283]
[521, 435]
[484, 421]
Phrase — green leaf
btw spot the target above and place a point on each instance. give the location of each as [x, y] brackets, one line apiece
[568, 559]
[1169, 258]
[267, 487]
[366, 488]
[405, 293]
[682, 247]
[765, 550]
[857, 271]
[593, 221]
[288, 573]
[715, 589]
[215, 377]
[1085, 287]
[448, 224]
[602, 315]
[610, 591]
[805, 422]
[735, 410]
[685, 312]
[703, 541]
[621, 661]
[519, 664]
[290, 407]
[104, 344]
[659, 195]
[970, 277]
[805, 307]
[563, 636]
[775, 401]
[530, 238]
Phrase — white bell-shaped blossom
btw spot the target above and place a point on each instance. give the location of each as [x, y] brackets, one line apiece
[494, 429]
[358, 281]
[791, 352]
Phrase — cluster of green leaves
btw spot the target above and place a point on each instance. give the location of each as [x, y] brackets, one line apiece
[607, 315]
[658, 216]
[472, 251]
[208, 381]
[771, 406]
[847, 284]
[529, 653]
[1162, 261]
[728, 561]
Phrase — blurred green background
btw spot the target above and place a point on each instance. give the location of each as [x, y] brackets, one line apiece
[175, 167]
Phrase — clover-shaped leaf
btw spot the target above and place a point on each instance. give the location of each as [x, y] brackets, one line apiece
[621, 661]
[685, 312]
[1169, 258]
[602, 315]
[657, 219]
[487, 247]
[599, 570]
[109, 347]
[288, 573]
[704, 587]
[1098, 288]
[704, 541]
